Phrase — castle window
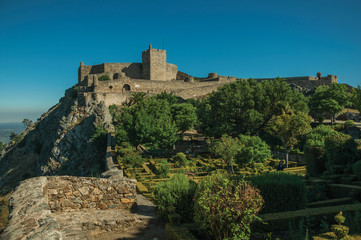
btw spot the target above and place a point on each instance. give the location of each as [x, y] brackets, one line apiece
[126, 87]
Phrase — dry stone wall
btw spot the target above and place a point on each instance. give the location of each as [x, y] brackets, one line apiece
[66, 193]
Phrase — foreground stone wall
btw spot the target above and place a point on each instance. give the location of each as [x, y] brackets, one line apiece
[66, 193]
[37, 201]
[30, 216]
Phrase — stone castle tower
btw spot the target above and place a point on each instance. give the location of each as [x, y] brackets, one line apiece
[154, 64]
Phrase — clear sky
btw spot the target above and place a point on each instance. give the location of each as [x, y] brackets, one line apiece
[43, 41]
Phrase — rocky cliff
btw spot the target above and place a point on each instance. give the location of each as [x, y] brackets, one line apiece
[59, 143]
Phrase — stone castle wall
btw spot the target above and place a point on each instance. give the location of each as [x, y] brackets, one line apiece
[67, 193]
[113, 70]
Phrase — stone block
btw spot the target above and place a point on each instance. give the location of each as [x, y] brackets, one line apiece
[128, 200]
[67, 189]
[86, 197]
[108, 197]
[76, 193]
[68, 194]
[102, 206]
[96, 191]
[53, 191]
[84, 190]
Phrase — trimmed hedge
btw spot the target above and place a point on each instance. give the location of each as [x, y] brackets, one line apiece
[280, 191]
[356, 168]
[278, 221]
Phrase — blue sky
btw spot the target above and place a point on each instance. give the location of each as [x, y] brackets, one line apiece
[42, 42]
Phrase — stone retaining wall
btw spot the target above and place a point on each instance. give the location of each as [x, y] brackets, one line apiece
[66, 193]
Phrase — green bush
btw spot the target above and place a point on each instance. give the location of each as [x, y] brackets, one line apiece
[348, 124]
[315, 149]
[226, 208]
[280, 191]
[174, 199]
[180, 159]
[341, 149]
[315, 160]
[120, 136]
[339, 230]
[99, 138]
[133, 159]
[164, 169]
[356, 168]
[104, 78]
[74, 91]
[252, 150]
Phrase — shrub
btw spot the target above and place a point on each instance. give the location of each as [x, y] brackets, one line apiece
[339, 230]
[340, 149]
[356, 168]
[180, 159]
[348, 124]
[226, 208]
[74, 91]
[134, 159]
[252, 150]
[315, 149]
[280, 191]
[164, 169]
[175, 199]
[120, 136]
[99, 138]
[104, 78]
[315, 160]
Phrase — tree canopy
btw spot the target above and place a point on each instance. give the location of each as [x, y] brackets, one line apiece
[246, 106]
[156, 121]
[288, 127]
[330, 99]
[356, 98]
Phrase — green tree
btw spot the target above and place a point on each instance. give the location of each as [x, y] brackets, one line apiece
[252, 150]
[227, 148]
[169, 97]
[26, 122]
[184, 116]
[314, 149]
[356, 98]
[150, 122]
[330, 99]
[137, 97]
[288, 127]
[246, 106]
[12, 136]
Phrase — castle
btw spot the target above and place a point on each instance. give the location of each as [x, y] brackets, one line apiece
[114, 83]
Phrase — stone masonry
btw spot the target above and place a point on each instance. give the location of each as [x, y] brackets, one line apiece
[155, 75]
[65, 193]
[39, 205]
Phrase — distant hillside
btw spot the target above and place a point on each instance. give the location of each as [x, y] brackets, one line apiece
[7, 128]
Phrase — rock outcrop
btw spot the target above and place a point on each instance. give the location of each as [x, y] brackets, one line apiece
[66, 207]
[59, 143]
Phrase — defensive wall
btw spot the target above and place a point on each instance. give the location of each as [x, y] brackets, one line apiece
[155, 75]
